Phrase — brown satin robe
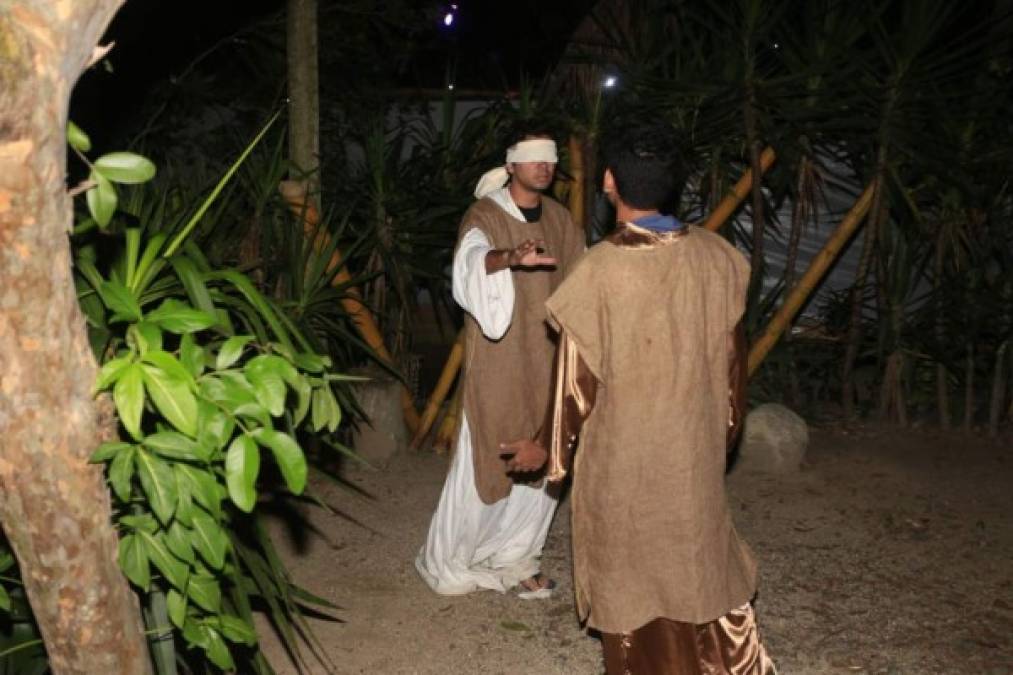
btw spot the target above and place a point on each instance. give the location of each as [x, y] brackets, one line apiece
[662, 646]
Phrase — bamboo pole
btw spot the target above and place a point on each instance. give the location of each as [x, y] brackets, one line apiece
[741, 190]
[819, 265]
[575, 199]
[450, 369]
[295, 195]
[447, 433]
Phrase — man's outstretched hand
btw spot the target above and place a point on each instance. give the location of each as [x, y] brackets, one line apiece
[523, 456]
[530, 253]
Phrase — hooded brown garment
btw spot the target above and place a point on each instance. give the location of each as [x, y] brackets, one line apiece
[506, 381]
[652, 534]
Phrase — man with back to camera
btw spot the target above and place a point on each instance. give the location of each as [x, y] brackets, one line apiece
[650, 376]
[514, 247]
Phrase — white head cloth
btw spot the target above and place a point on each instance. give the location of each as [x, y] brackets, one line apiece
[534, 150]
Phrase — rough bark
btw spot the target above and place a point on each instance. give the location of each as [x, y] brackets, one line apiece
[54, 506]
[303, 91]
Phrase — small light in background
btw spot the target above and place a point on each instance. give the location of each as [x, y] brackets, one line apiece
[450, 87]
[610, 81]
[448, 18]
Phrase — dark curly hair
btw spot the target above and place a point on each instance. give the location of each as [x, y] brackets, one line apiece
[647, 166]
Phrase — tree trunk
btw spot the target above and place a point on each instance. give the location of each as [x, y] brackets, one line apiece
[969, 390]
[54, 505]
[998, 390]
[942, 378]
[800, 217]
[303, 91]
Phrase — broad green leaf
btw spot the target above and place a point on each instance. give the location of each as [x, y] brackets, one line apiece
[107, 451]
[171, 365]
[321, 409]
[101, 199]
[209, 539]
[310, 362]
[214, 427]
[304, 392]
[191, 355]
[159, 484]
[120, 300]
[144, 336]
[121, 470]
[5, 600]
[179, 317]
[193, 633]
[288, 455]
[111, 371]
[173, 569]
[143, 521]
[149, 265]
[133, 561]
[125, 167]
[173, 398]
[334, 410]
[193, 281]
[176, 605]
[205, 591]
[184, 504]
[231, 350]
[237, 630]
[270, 364]
[217, 650]
[177, 538]
[242, 465]
[202, 485]
[6, 561]
[128, 394]
[77, 138]
[173, 445]
[270, 391]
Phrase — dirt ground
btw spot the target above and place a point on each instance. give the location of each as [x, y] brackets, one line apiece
[891, 552]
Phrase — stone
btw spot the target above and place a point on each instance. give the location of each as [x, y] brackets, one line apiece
[774, 440]
[383, 435]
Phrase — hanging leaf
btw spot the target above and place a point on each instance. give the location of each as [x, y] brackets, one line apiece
[5, 600]
[171, 365]
[176, 605]
[209, 539]
[120, 300]
[333, 410]
[101, 199]
[125, 167]
[191, 355]
[77, 138]
[214, 427]
[174, 445]
[179, 317]
[107, 451]
[172, 398]
[304, 392]
[134, 561]
[237, 630]
[242, 465]
[177, 539]
[121, 470]
[321, 409]
[159, 485]
[202, 485]
[270, 392]
[204, 591]
[231, 350]
[128, 395]
[288, 455]
[174, 570]
[217, 650]
[144, 337]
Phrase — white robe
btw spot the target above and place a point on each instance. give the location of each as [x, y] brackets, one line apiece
[473, 545]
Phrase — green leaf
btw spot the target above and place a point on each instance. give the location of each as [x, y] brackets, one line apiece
[133, 561]
[321, 409]
[159, 484]
[214, 427]
[121, 470]
[209, 539]
[111, 371]
[174, 570]
[173, 398]
[334, 410]
[217, 650]
[5, 600]
[310, 362]
[202, 485]
[144, 336]
[184, 504]
[237, 630]
[179, 317]
[143, 521]
[125, 167]
[107, 451]
[101, 199]
[174, 445]
[305, 392]
[204, 590]
[191, 355]
[171, 365]
[120, 300]
[270, 392]
[128, 394]
[242, 465]
[231, 350]
[176, 604]
[177, 539]
[288, 455]
[77, 138]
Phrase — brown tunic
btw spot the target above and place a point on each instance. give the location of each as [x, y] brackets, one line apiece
[506, 381]
[652, 534]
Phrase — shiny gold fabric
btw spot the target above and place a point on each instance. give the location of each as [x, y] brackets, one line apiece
[573, 394]
[729, 645]
[506, 381]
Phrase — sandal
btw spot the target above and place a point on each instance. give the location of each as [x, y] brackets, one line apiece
[537, 587]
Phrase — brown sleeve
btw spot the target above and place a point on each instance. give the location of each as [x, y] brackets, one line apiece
[573, 392]
[738, 377]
